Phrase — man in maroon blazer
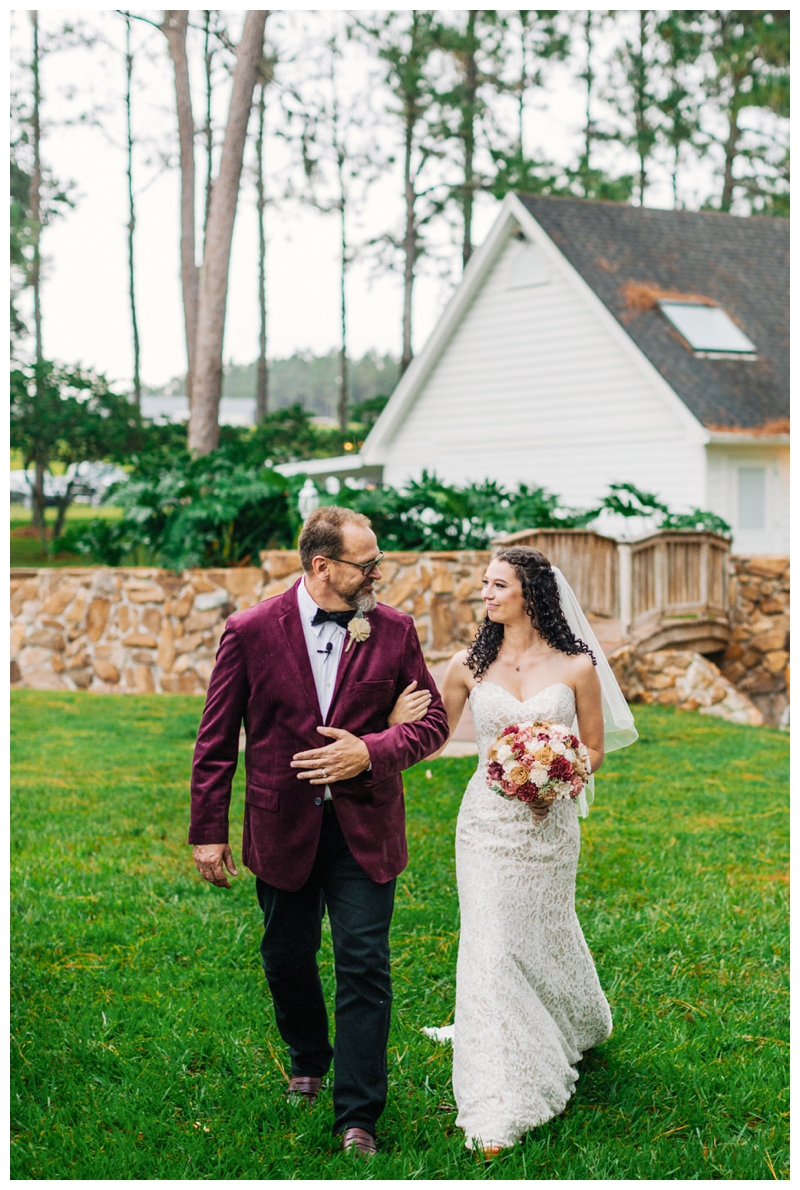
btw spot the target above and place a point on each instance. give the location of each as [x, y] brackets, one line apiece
[324, 821]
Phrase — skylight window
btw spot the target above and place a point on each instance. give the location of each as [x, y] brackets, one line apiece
[708, 330]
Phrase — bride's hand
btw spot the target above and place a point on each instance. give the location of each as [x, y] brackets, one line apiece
[410, 706]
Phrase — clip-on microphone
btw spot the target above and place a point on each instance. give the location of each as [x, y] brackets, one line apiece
[327, 650]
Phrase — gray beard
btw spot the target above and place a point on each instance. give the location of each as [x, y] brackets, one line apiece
[365, 601]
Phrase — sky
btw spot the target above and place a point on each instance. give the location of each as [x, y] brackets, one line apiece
[86, 314]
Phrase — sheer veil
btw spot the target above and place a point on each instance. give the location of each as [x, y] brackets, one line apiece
[617, 719]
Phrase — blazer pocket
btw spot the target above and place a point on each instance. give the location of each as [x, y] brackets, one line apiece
[374, 685]
[263, 799]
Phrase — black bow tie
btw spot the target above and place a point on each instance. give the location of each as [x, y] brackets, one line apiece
[340, 618]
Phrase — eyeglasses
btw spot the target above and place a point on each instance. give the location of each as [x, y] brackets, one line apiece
[365, 567]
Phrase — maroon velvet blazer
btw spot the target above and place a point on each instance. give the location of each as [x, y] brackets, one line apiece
[262, 677]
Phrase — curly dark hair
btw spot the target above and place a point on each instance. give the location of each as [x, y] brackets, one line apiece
[543, 604]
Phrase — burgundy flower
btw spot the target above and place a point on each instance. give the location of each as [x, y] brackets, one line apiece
[527, 792]
[495, 771]
[560, 769]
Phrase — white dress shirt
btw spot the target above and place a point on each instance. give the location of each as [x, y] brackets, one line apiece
[324, 664]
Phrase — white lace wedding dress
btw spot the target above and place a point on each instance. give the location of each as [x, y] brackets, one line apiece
[528, 1000]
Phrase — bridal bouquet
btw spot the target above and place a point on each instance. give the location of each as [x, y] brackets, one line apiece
[537, 762]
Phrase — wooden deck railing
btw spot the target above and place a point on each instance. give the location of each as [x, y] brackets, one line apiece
[667, 590]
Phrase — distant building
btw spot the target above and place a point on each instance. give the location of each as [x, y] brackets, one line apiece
[594, 342]
[233, 411]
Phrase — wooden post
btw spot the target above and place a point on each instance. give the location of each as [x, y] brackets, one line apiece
[625, 588]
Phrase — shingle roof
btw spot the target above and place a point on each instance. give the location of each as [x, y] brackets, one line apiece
[741, 264]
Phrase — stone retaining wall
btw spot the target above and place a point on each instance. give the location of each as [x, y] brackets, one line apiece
[145, 630]
[757, 659]
[678, 678]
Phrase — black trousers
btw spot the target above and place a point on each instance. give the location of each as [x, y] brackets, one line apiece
[360, 913]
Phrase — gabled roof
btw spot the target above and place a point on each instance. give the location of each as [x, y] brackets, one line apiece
[629, 256]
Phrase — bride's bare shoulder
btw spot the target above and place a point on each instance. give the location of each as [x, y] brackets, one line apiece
[458, 671]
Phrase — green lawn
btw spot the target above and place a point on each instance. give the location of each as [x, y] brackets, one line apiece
[27, 550]
[143, 1042]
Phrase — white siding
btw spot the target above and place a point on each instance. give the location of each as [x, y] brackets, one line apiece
[533, 387]
[724, 464]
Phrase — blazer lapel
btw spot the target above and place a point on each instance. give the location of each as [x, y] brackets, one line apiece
[292, 628]
[345, 661]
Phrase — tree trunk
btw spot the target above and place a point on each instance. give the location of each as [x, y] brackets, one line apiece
[213, 288]
[731, 145]
[343, 394]
[589, 129]
[208, 55]
[640, 102]
[174, 28]
[409, 242]
[471, 80]
[38, 504]
[35, 191]
[137, 384]
[262, 382]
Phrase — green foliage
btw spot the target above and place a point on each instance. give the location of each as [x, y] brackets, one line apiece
[629, 501]
[69, 415]
[206, 511]
[143, 1043]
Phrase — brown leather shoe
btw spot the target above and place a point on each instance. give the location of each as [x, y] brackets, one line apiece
[357, 1140]
[305, 1085]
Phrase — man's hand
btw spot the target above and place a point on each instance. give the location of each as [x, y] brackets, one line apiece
[211, 860]
[346, 757]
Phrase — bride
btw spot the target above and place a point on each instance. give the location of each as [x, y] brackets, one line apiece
[528, 999]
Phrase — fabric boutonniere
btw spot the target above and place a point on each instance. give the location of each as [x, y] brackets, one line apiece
[359, 629]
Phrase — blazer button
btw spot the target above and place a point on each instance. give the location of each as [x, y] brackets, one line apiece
[317, 801]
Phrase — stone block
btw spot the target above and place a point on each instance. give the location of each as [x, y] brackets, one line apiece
[750, 658]
[668, 698]
[245, 601]
[441, 623]
[33, 657]
[105, 671]
[420, 606]
[26, 591]
[181, 607]
[74, 614]
[244, 580]
[140, 640]
[275, 588]
[16, 672]
[776, 662]
[767, 567]
[142, 657]
[442, 582]
[152, 593]
[279, 563]
[46, 638]
[143, 678]
[465, 590]
[200, 621]
[405, 585]
[734, 671]
[758, 681]
[81, 677]
[660, 681]
[49, 622]
[55, 604]
[96, 617]
[774, 606]
[768, 642]
[151, 620]
[208, 601]
[187, 644]
[78, 660]
[17, 638]
[733, 653]
[44, 679]
[166, 648]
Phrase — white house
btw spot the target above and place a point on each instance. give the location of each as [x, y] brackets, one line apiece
[594, 342]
